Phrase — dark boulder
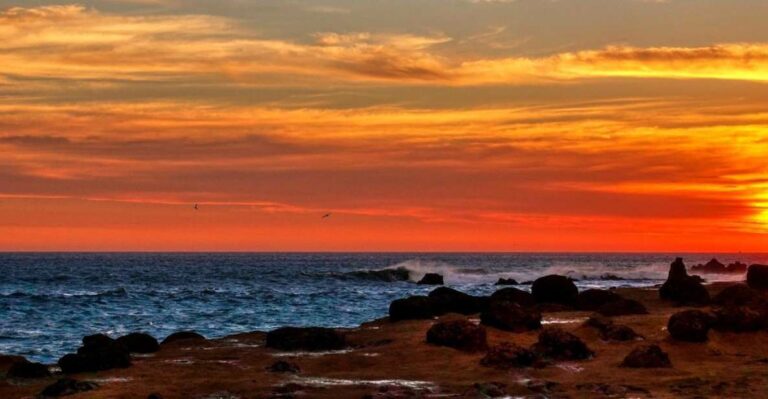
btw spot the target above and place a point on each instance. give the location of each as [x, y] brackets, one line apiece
[508, 356]
[27, 369]
[411, 308]
[554, 343]
[447, 300]
[682, 288]
[598, 322]
[431, 279]
[619, 333]
[622, 307]
[757, 277]
[738, 295]
[511, 316]
[555, 289]
[511, 294]
[99, 352]
[739, 319]
[458, 334]
[592, 299]
[67, 386]
[506, 281]
[713, 266]
[183, 336]
[690, 326]
[6, 361]
[306, 338]
[387, 275]
[647, 356]
[282, 366]
[139, 343]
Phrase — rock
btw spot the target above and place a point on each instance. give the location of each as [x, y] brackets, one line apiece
[738, 295]
[506, 281]
[411, 308]
[392, 392]
[713, 266]
[26, 369]
[486, 390]
[306, 338]
[155, 396]
[739, 319]
[682, 288]
[387, 275]
[511, 316]
[757, 277]
[592, 299]
[622, 307]
[183, 336]
[690, 326]
[67, 386]
[619, 333]
[611, 277]
[736, 267]
[6, 361]
[447, 300]
[647, 356]
[458, 334]
[507, 356]
[599, 322]
[554, 343]
[431, 279]
[282, 366]
[139, 343]
[99, 352]
[511, 294]
[555, 289]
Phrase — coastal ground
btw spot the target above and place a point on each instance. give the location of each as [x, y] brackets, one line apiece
[392, 360]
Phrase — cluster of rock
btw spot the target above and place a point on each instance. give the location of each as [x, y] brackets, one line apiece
[714, 266]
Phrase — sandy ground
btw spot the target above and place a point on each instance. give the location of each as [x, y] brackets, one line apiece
[388, 355]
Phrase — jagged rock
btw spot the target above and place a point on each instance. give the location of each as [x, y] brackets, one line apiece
[757, 277]
[282, 366]
[713, 266]
[431, 279]
[447, 300]
[183, 336]
[647, 356]
[511, 316]
[506, 281]
[555, 289]
[387, 275]
[738, 295]
[411, 308]
[690, 326]
[99, 352]
[736, 267]
[682, 288]
[306, 338]
[622, 307]
[458, 334]
[592, 299]
[554, 343]
[511, 294]
[139, 343]
[26, 369]
[67, 386]
[508, 355]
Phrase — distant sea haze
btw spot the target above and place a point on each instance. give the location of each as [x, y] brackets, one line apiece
[49, 301]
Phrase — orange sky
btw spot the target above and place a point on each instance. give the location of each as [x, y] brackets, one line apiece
[429, 125]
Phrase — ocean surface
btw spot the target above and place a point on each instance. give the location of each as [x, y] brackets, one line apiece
[49, 301]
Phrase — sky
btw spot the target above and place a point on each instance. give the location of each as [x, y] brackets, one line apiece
[420, 125]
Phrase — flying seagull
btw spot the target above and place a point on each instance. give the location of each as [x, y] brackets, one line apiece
[196, 208]
[326, 216]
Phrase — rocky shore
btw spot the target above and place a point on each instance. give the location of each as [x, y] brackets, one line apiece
[682, 339]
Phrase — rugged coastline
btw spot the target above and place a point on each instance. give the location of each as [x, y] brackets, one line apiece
[683, 339]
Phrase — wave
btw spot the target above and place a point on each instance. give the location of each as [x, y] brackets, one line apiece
[120, 291]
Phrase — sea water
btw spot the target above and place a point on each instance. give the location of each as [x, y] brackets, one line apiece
[49, 301]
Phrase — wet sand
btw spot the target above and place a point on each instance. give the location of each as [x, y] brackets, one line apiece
[392, 360]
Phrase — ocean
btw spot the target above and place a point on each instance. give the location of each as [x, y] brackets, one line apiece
[49, 301]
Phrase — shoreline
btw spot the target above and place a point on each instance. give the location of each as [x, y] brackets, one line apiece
[392, 359]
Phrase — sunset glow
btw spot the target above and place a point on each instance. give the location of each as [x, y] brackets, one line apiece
[448, 125]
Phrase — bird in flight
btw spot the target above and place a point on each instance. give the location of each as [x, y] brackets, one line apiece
[196, 208]
[326, 216]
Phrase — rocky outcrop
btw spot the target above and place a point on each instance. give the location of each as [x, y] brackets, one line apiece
[66, 387]
[757, 277]
[740, 319]
[511, 294]
[554, 343]
[647, 356]
[592, 299]
[306, 338]
[510, 316]
[508, 356]
[99, 352]
[386, 275]
[411, 308]
[736, 267]
[431, 279]
[739, 295]
[447, 300]
[25, 369]
[609, 331]
[682, 288]
[281, 366]
[183, 336]
[458, 334]
[690, 326]
[139, 343]
[506, 281]
[555, 289]
[713, 266]
[622, 307]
